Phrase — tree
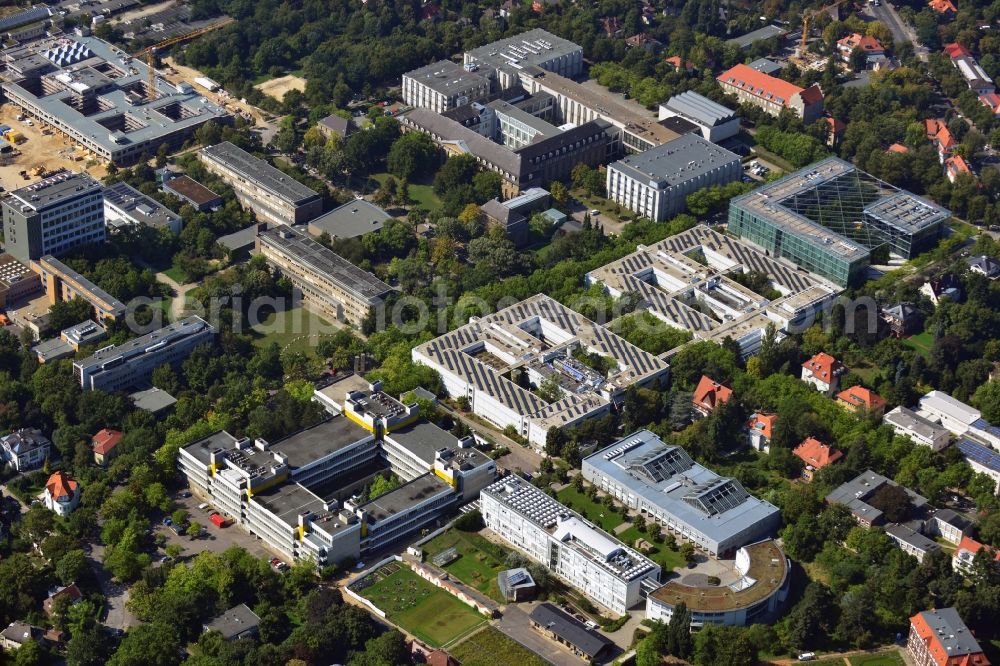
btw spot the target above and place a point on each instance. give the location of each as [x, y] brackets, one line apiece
[717, 645]
[892, 501]
[457, 170]
[194, 529]
[559, 193]
[549, 390]
[688, 552]
[64, 314]
[381, 485]
[71, 566]
[155, 644]
[812, 618]
[411, 154]
[679, 642]
[30, 654]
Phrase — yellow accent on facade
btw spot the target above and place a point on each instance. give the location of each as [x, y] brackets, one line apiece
[302, 532]
[281, 478]
[364, 528]
[211, 469]
[404, 422]
[357, 419]
[450, 480]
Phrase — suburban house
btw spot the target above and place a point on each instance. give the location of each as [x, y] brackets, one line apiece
[70, 592]
[861, 399]
[25, 449]
[823, 372]
[955, 166]
[816, 455]
[758, 430]
[709, 394]
[872, 48]
[986, 266]
[945, 287]
[62, 493]
[965, 554]
[945, 9]
[903, 319]
[939, 135]
[105, 444]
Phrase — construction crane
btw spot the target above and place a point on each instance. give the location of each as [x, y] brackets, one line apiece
[809, 17]
[149, 53]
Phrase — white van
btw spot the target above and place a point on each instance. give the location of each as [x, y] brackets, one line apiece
[203, 506]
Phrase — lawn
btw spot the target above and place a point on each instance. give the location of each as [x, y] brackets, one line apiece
[479, 560]
[885, 659]
[421, 194]
[593, 511]
[668, 559]
[297, 329]
[489, 647]
[423, 610]
[922, 343]
[177, 274]
[776, 160]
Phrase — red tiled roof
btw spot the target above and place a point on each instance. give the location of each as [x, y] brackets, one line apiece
[709, 394]
[676, 62]
[823, 366]
[762, 423]
[817, 454]
[859, 396]
[60, 485]
[972, 546]
[857, 40]
[760, 84]
[943, 6]
[812, 95]
[956, 165]
[956, 50]
[836, 126]
[991, 100]
[106, 440]
[898, 148]
[72, 592]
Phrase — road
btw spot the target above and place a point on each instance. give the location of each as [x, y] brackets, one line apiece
[115, 593]
[901, 32]
[517, 626]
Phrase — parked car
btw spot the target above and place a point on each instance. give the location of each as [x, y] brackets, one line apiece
[807, 656]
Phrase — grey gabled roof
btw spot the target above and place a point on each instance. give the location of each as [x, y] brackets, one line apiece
[699, 108]
[569, 629]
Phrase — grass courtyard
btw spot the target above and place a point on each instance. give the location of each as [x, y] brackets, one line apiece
[590, 509]
[922, 343]
[489, 647]
[478, 563]
[421, 194]
[668, 559]
[423, 610]
[296, 329]
[884, 659]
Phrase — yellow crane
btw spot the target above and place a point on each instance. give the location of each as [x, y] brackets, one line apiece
[808, 17]
[149, 53]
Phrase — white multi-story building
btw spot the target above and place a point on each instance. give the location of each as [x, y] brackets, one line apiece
[126, 206]
[961, 419]
[714, 513]
[53, 216]
[118, 367]
[925, 432]
[538, 338]
[753, 590]
[304, 495]
[581, 554]
[655, 183]
[444, 85]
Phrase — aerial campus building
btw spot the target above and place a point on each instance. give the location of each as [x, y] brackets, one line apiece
[495, 360]
[501, 61]
[125, 206]
[701, 295]
[337, 288]
[62, 283]
[660, 480]
[752, 590]
[117, 367]
[715, 122]
[830, 217]
[444, 85]
[584, 556]
[303, 495]
[53, 216]
[98, 96]
[656, 182]
[273, 195]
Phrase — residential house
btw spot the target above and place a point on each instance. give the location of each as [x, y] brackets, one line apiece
[816, 455]
[105, 444]
[940, 637]
[569, 632]
[336, 126]
[645, 42]
[954, 50]
[986, 266]
[681, 65]
[612, 26]
[70, 592]
[823, 372]
[837, 128]
[62, 493]
[945, 9]
[17, 634]
[898, 148]
[872, 48]
[942, 138]
[861, 399]
[903, 319]
[771, 93]
[945, 287]
[991, 101]
[709, 394]
[235, 624]
[955, 166]
[25, 449]
[965, 554]
[759, 429]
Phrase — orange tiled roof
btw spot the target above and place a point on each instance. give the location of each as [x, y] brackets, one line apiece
[859, 396]
[835, 125]
[709, 394]
[823, 366]
[857, 40]
[676, 62]
[60, 485]
[938, 651]
[956, 165]
[762, 423]
[106, 440]
[956, 50]
[816, 453]
[760, 84]
[991, 100]
[972, 546]
[898, 148]
[943, 6]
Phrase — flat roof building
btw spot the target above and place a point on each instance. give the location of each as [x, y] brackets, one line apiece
[337, 288]
[97, 95]
[715, 122]
[855, 492]
[62, 283]
[655, 183]
[154, 400]
[604, 569]
[791, 218]
[53, 216]
[714, 513]
[503, 59]
[17, 281]
[187, 189]
[925, 432]
[118, 367]
[760, 34]
[353, 219]
[538, 337]
[124, 205]
[235, 624]
[272, 194]
[444, 85]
